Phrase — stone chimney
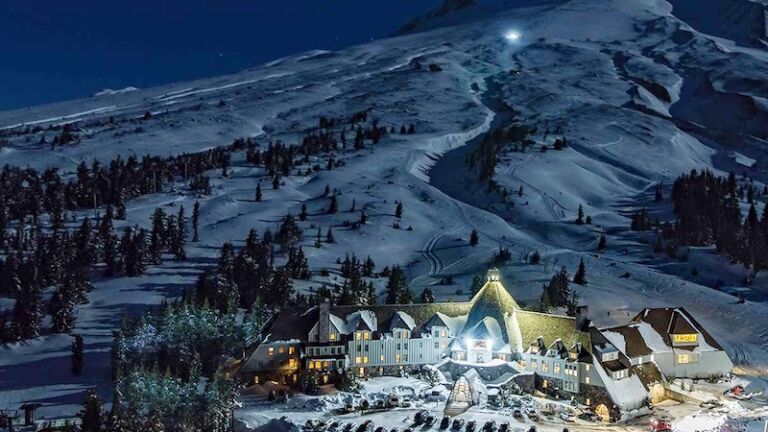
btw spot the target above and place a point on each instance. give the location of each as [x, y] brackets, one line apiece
[582, 318]
[324, 320]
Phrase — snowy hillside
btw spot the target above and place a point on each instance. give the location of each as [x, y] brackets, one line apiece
[641, 96]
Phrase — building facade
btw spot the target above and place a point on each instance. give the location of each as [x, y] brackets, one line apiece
[610, 369]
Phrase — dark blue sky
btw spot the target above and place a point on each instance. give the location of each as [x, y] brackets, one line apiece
[54, 50]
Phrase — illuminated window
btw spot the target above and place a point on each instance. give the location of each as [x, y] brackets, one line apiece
[544, 384]
[443, 333]
[271, 351]
[586, 367]
[381, 358]
[443, 345]
[366, 335]
[357, 360]
[362, 371]
[292, 363]
[588, 401]
[281, 350]
[534, 364]
[332, 336]
[545, 367]
[522, 363]
[325, 365]
[358, 336]
[397, 358]
[685, 338]
[685, 358]
[586, 381]
[556, 369]
[291, 350]
[365, 360]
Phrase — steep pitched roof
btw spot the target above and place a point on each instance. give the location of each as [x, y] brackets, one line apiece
[633, 344]
[493, 302]
[666, 321]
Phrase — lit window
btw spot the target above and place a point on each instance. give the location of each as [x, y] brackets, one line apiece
[325, 365]
[366, 335]
[544, 384]
[556, 369]
[442, 333]
[365, 360]
[292, 363]
[362, 371]
[586, 367]
[684, 358]
[357, 360]
[271, 351]
[586, 381]
[332, 336]
[534, 364]
[291, 350]
[588, 402]
[358, 336]
[443, 345]
[685, 338]
[397, 358]
[256, 379]
[281, 350]
[545, 367]
[381, 358]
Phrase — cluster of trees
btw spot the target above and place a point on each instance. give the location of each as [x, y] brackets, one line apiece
[708, 212]
[557, 293]
[167, 368]
[63, 259]
[485, 157]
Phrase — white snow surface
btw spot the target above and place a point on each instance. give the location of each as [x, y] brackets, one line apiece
[641, 96]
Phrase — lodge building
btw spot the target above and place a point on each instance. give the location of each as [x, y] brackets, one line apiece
[616, 368]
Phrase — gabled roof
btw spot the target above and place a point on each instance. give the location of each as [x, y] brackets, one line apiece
[632, 342]
[401, 320]
[667, 321]
[494, 302]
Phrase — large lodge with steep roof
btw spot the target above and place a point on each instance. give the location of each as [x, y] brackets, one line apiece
[610, 369]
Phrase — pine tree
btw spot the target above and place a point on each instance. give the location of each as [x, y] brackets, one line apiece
[477, 284]
[333, 205]
[159, 235]
[329, 236]
[363, 217]
[289, 233]
[180, 239]
[318, 239]
[62, 310]
[580, 217]
[396, 286]
[195, 221]
[557, 293]
[427, 296]
[78, 360]
[91, 414]
[580, 278]
[520, 191]
[474, 238]
[399, 210]
[602, 243]
[303, 214]
[258, 192]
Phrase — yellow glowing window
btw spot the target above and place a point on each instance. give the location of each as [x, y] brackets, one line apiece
[366, 335]
[271, 351]
[685, 338]
[365, 360]
[381, 358]
[292, 363]
[281, 350]
[544, 367]
[586, 381]
[556, 368]
[534, 364]
[325, 365]
[291, 350]
[332, 336]
[684, 358]
[587, 367]
[397, 358]
[357, 360]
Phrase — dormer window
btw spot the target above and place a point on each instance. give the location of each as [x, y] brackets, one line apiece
[331, 336]
[685, 339]
[362, 335]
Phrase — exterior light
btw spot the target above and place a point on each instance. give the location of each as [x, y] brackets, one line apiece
[513, 36]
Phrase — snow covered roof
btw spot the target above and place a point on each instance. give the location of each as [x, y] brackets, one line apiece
[660, 323]
[402, 320]
[627, 393]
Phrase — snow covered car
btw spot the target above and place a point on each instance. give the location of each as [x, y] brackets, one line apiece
[533, 415]
[420, 417]
[517, 414]
[430, 421]
[366, 426]
[489, 426]
[406, 403]
[710, 404]
[471, 426]
[445, 422]
[457, 424]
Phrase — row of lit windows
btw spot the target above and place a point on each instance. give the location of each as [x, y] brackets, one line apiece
[364, 335]
[686, 358]
[325, 364]
[281, 350]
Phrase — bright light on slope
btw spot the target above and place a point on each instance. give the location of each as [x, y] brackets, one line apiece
[512, 36]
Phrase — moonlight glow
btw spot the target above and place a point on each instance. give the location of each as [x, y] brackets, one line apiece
[512, 36]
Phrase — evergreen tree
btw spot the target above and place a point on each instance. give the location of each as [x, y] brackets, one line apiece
[304, 213]
[580, 216]
[474, 238]
[91, 414]
[602, 243]
[333, 205]
[78, 355]
[363, 217]
[427, 296]
[195, 221]
[318, 239]
[289, 233]
[399, 210]
[258, 192]
[396, 286]
[557, 293]
[329, 236]
[159, 235]
[62, 310]
[180, 239]
[580, 278]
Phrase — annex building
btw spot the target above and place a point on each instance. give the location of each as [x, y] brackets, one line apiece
[610, 369]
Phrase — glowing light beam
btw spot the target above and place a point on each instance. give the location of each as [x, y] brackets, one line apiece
[513, 36]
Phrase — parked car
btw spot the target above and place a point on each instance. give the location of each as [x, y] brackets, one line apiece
[712, 403]
[445, 422]
[471, 426]
[504, 427]
[533, 415]
[588, 416]
[517, 414]
[430, 421]
[457, 424]
[420, 417]
[366, 426]
[348, 427]
[660, 425]
[567, 417]
[489, 426]
[333, 426]
[406, 403]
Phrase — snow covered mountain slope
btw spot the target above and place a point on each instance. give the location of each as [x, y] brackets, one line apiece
[641, 96]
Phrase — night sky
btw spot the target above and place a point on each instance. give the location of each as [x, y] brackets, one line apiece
[54, 50]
